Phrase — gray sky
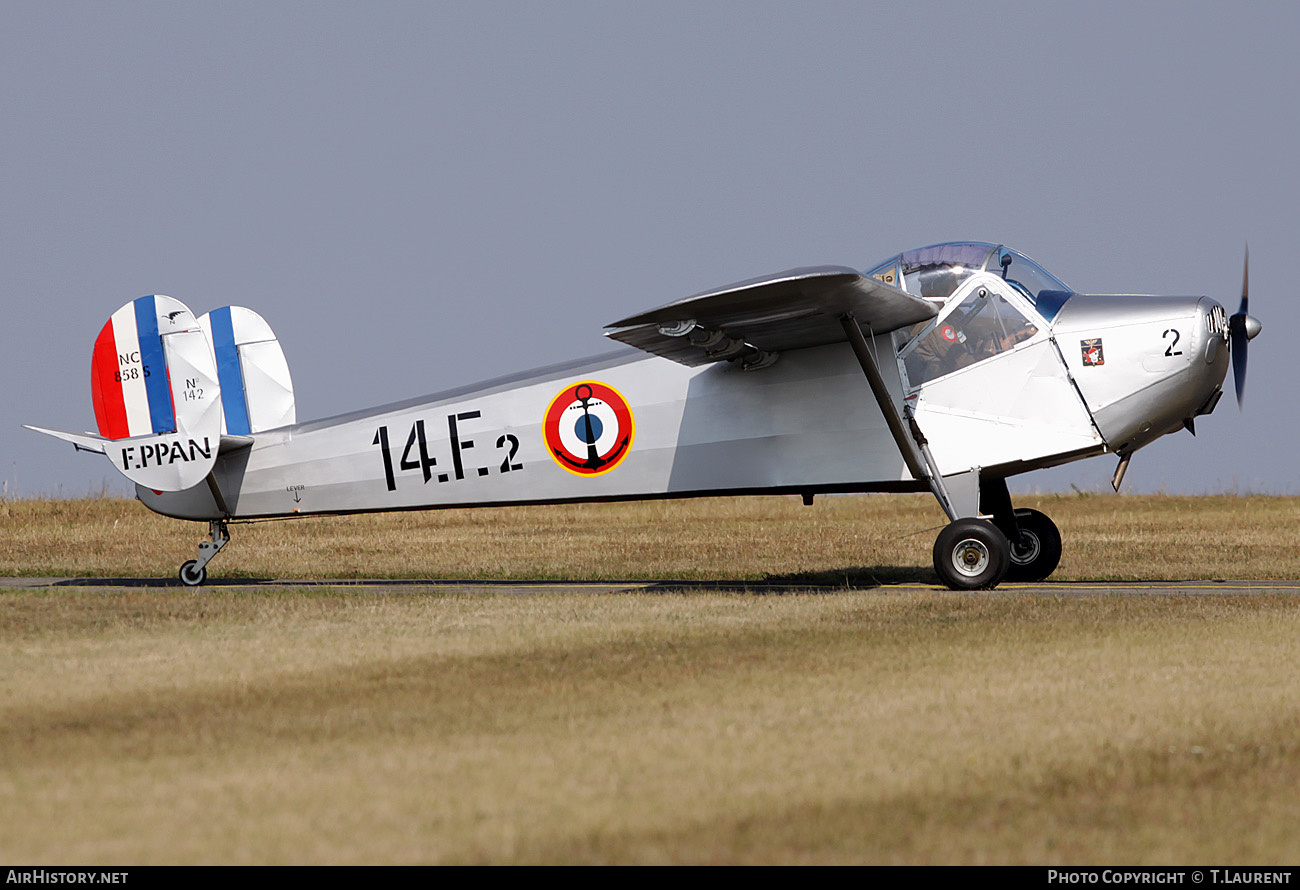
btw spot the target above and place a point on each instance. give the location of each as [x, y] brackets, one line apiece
[419, 195]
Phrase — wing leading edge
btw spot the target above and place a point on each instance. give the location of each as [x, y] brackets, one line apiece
[755, 320]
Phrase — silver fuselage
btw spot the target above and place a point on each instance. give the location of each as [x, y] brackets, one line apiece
[807, 424]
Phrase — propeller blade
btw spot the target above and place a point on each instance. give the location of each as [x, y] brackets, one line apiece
[1240, 334]
[1239, 342]
[1245, 285]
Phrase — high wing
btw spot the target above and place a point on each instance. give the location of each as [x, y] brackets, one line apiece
[757, 319]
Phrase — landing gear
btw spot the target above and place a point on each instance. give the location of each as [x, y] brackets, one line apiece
[971, 554]
[195, 571]
[1035, 547]
[1016, 545]
[192, 574]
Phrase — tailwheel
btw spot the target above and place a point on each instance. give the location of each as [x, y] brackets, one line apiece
[971, 554]
[192, 574]
[1035, 547]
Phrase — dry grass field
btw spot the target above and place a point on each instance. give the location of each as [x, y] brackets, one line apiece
[864, 721]
[849, 541]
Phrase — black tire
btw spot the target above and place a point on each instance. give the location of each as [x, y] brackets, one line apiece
[1036, 549]
[971, 554]
[192, 574]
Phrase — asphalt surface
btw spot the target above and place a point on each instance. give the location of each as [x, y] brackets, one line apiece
[534, 588]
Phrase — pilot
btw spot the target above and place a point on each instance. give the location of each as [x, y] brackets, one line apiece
[990, 342]
[1023, 332]
[966, 336]
[943, 351]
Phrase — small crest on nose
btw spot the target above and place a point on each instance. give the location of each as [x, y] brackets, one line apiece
[1093, 356]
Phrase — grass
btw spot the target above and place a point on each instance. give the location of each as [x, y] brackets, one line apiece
[853, 541]
[884, 724]
[844, 727]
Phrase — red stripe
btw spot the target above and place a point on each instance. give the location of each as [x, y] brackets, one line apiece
[106, 389]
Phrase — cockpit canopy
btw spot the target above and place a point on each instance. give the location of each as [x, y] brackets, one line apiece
[936, 271]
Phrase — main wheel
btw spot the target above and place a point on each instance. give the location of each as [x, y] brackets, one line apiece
[970, 554]
[192, 574]
[1035, 549]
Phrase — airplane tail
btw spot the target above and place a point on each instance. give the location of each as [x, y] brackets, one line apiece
[172, 391]
[257, 391]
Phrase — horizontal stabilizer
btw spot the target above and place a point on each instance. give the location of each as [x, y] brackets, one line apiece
[792, 310]
[98, 444]
[82, 441]
[161, 461]
[257, 392]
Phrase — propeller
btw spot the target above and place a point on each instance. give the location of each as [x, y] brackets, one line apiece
[1242, 328]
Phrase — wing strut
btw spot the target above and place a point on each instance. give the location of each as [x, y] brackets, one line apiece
[927, 471]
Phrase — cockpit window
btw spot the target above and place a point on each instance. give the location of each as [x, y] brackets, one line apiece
[1031, 280]
[938, 270]
[934, 271]
[982, 325]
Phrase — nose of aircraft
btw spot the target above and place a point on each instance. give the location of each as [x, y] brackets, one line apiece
[1164, 363]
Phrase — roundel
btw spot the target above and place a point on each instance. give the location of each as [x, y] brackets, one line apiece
[588, 428]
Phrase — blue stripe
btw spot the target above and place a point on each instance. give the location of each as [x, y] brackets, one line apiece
[229, 373]
[155, 366]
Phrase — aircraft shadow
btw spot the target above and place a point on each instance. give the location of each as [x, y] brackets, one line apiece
[155, 582]
[857, 577]
[828, 580]
[824, 581]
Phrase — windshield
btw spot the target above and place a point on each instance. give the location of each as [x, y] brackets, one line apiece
[984, 324]
[1040, 286]
[936, 271]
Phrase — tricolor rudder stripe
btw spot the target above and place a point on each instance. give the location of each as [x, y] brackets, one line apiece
[221, 329]
[156, 394]
[129, 384]
[256, 389]
[156, 385]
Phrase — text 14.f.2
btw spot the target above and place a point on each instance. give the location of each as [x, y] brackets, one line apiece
[415, 454]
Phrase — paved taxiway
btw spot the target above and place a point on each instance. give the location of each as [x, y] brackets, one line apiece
[535, 588]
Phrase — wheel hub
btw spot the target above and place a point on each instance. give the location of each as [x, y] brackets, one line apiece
[970, 557]
[1026, 547]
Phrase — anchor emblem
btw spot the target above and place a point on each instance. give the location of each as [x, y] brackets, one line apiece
[588, 428]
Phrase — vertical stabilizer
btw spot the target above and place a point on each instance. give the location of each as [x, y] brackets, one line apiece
[156, 395]
[257, 391]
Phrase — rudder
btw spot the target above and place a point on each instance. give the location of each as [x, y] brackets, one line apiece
[156, 394]
[257, 390]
